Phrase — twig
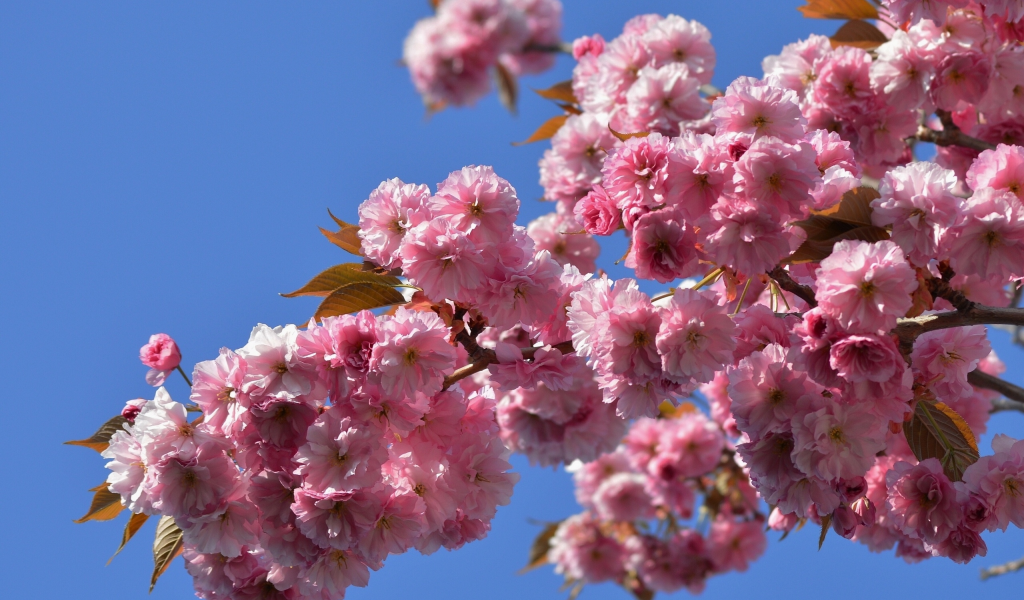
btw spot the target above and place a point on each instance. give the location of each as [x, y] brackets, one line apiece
[951, 135]
[1012, 392]
[782, 278]
[908, 330]
[488, 357]
[1005, 405]
[183, 374]
[562, 48]
[1003, 569]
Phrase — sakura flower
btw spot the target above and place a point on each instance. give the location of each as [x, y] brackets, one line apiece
[581, 551]
[945, 357]
[526, 295]
[921, 501]
[696, 336]
[561, 235]
[598, 213]
[196, 484]
[664, 247]
[335, 520]
[443, 260]
[661, 98]
[162, 356]
[340, 454]
[999, 169]
[689, 447]
[989, 236]
[128, 472]
[836, 441]
[622, 497]
[747, 237]
[773, 173]
[636, 174]
[332, 572]
[216, 386]
[273, 369]
[413, 353]
[733, 545]
[397, 526]
[758, 109]
[917, 201]
[339, 350]
[765, 389]
[682, 561]
[477, 202]
[391, 210]
[227, 533]
[674, 39]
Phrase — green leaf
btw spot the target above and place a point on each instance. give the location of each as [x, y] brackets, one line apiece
[101, 439]
[339, 275]
[937, 431]
[540, 547]
[508, 87]
[105, 505]
[136, 522]
[560, 92]
[826, 523]
[860, 34]
[354, 297]
[839, 9]
[166, 546]
[546, 131]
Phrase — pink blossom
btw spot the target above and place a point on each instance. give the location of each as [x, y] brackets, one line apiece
[333, 571]
[960, 77]
[999, 169]
[751, 239]
[756, 327]
[765, 390]
[579, 550]
[477, 202]
[525, 295]
[797, 67]
[865, 286]
[392, 209]
[193, 485]
[444, 261]
[548, 366]
[921, 501]
[413, 354]
[682, 561]
[401, 414]
[832, 151]
[161, 354]
[598, 213]
[733, 545]
[335, 520]
[945, 357]
[674, 39]
[562, 236]
[844, 82]
[617, 69]
[627, 347]
[128, 471]
[836, 440]
[720, 403]
[917, 201]
[588, 477]
[544, 24]
[162, 427]
[340, 350]
[997, 482]
[636, 174]
[227, 533]
[690, 446]
[446, 65]
[623, 497]
[903, 71]
[915, 10]
[873, 370]
[482, 475]
[398, 524]
[661, 98]
[215, 389]
[771, 466]
[962, 545]
[340, 454]
[759, 109]
[776, 174]
[132, 408]
[989, 237]
[420, 468]
[699, 176]
[664, 247]
[587, 44]
[273, 369]
[696, 336]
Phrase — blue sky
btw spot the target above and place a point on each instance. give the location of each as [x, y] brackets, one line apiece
[164, 167]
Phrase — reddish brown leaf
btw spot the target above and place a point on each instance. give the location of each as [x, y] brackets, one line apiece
[135, 523]
[339, 275]
[849, 219]
[570, 109]
[818, 250]
[839, 9]
[560, 92]
[101, 439]
[166, 546]
[540, 547]
[937, 431]
[508, 87]
[105, 505]
[860, 34]
[826, 523]
[625, 136]
[853, 208]
[548, 129]
[358, 296]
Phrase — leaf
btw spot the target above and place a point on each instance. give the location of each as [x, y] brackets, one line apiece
[539, 548]
[434, 3]
[358, 296]
[667, 410]
[346, 238]
[937, 431]
[849, 219]
[339, 275]
[508, 88]
[839, 9]
[101, 439]
[625, 136]
[860, 34]
[548, 129]
[105, 505]
[166, 546]
[135, 523]
[560, 92]
[569, 108]
[826, 523]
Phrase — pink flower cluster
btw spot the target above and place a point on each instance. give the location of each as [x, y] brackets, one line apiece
[320, 453]
[451, 54]
[656, 475]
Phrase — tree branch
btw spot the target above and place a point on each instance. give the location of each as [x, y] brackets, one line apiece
[1005, 405]
[781, 277]
[488, 357]
[951, 135]
[563, 48]
[1003, 569]
[908, 330]
[991, 382]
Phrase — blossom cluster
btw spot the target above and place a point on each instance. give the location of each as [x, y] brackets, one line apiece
[638, 498]
[452, 53]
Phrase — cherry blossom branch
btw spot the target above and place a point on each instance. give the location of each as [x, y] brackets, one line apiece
[562, 48]
[1013, 393]
[488, 358]
[1003, 569]
[977, 314]
[183, 374]
[951, 135]
[782, 278]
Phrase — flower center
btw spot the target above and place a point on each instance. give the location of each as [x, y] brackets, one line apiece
[281, 368]
[410, 356]
[641, 339]
[867, 289]
[776, 396]
[836, 435]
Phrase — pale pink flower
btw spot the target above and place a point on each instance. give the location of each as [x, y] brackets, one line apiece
[273, 368]
[525, 295]
[797, 66]
[339, 350]
[477, 202]
[398, 524]
[960, 77]
[561, 234]
[921, 501]
[162, 427]
[627, 346]
[999, 169]
[413, 354]
[548, 366]
[866, 286]
[482, 475]
[664, 247]
[579, 550]
[944, 358]
[843, 83]
[696, 336]
[682, 561]
[997, 481]
[832, 151]
[587, 44]
[447, 66]
[773, 173]
[961, 546]
[757, 327]
[161, 354]
[623, 497]
[598, 213]
[733, 545]
[916, 10]
[340, 454]
[836, 440]
[444, 261]
[917, 201]
[401, 414]
[903, 71]
[331, 573]
[661, 98]
[392, 209]
[749, 238]
[765, 390]
[589, 476]
[335, 520]
[674, 39]
[759, 109]
[216, 386]
[690, 446]
[543, 24]
[196, 484]
[636, 174]
[617, 69]
[699, 175]
[989, 237]
[717, 394]
[873, 371]
[420, 468]
[227, 533]
[128, 472]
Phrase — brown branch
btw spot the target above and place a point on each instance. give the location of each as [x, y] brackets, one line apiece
[1005, 405]
[488, 357]
[991, 382]
[951, 135]
[562, 48]
[940, 288]
[781, 277]
[908, 330]
[1003, 569]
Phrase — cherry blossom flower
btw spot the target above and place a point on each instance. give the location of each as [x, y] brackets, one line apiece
[413, 354]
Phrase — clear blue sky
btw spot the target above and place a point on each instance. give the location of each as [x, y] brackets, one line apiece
[164, 167]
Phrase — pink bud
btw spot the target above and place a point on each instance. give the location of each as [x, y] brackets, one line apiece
[161, 353]
[865, 510]
[132, 409]
[851, 489]
[781, 522]
[845, 521]
[593, 45]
